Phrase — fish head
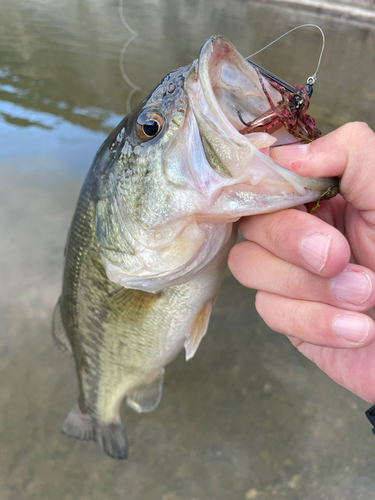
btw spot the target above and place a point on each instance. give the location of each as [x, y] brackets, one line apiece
[177, 172]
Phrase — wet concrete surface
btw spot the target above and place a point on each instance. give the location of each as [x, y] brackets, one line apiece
[248, 417]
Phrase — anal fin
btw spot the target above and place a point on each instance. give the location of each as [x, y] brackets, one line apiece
[58, 330]
[110, 436]
[198, 331]
[146, 397]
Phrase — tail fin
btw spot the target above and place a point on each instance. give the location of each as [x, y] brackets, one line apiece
[110, 437]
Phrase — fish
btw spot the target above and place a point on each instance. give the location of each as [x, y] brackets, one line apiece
[155, 220]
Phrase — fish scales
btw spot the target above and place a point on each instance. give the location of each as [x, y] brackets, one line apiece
[109, 326]
[153, 226]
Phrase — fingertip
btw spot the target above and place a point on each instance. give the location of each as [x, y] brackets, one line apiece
[338, 256]
[354, 288]
[326, 253]
[356, 330]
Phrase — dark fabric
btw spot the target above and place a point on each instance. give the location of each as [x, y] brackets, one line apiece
[370, 414]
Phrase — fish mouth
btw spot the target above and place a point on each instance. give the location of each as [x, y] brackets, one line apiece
[233, 91]
[210, 174]
[225, 93]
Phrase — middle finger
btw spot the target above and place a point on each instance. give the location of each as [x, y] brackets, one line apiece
[256, 267]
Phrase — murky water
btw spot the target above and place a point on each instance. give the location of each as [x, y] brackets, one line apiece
[61, 88]
[247, 417]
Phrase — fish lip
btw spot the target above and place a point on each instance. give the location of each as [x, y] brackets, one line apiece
[205, 77]
[201, 71]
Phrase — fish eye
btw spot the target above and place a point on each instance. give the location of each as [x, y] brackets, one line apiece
[148, 125]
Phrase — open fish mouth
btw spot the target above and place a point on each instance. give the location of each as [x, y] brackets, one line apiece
[201, 173]
[225, 92]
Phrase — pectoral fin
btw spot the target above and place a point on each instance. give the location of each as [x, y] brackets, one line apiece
[199, 330]
[146, 398]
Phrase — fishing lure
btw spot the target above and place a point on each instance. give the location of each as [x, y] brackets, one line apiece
[290, 111]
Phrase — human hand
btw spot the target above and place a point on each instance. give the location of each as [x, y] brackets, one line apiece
[316, 272]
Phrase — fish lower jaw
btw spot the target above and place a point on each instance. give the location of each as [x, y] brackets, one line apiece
[243, 200]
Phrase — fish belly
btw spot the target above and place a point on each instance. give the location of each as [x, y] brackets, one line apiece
[142, 332]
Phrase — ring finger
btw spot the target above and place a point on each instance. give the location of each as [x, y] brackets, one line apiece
[315, 323]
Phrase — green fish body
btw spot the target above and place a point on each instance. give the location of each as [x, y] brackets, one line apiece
[153, 226]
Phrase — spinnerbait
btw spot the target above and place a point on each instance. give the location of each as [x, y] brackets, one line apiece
[290, 111]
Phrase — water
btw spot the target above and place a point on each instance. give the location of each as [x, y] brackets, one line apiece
[248, 417]
[61, 89]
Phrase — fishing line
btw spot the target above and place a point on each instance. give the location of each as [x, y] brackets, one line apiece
[134, 35]
[311, 79]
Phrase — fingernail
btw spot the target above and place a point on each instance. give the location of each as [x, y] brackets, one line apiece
[290, 152]
[351, 327]
[352, 287]
[314, 250]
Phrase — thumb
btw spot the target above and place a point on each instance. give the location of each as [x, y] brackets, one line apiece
[348, 153]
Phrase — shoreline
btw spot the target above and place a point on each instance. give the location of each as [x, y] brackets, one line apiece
[348, 11]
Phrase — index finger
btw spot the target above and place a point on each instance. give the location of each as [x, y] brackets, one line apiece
[299, 238]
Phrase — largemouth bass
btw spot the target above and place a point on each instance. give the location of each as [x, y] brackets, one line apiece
[148, 243]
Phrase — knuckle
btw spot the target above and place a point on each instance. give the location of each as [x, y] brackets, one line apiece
[299, 317]
[357, 130]
[294, 282]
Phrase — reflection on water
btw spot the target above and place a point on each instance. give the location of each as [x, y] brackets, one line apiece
[61, 88]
